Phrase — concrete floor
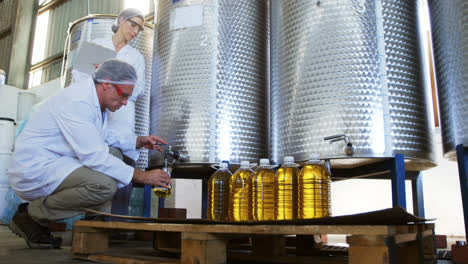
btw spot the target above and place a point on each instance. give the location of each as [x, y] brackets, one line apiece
[14, 249]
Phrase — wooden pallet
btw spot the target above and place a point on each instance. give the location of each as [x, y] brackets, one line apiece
[201, 243]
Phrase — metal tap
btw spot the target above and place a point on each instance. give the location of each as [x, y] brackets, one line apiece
[348, 148]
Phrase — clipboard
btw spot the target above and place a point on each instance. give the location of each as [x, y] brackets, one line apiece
[90, 54]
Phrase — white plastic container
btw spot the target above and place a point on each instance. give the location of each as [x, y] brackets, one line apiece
[26, 100]
[8, 101]
[7, 132]
[8, 200]
[2, 77]
[5, 157]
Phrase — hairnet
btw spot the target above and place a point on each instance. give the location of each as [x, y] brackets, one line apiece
[116, 71]
[126, 14]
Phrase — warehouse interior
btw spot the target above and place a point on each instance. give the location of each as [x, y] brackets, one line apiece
[373, 90]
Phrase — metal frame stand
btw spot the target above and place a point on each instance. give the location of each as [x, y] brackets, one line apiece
[393, 169]
[462, 158]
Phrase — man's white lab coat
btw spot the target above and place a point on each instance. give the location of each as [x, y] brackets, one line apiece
[68, 131]
[124, 118]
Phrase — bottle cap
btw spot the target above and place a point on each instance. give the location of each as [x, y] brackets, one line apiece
[314, 158]
[264, 162]
[244, 163]
[223, 165]
[288, 159]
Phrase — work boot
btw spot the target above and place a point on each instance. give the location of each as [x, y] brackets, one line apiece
[35, 235]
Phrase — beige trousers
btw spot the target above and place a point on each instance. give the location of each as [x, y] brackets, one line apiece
[83, 188]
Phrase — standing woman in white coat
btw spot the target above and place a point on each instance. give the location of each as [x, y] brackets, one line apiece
[126, 27]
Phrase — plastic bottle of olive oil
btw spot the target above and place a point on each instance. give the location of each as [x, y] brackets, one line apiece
[285, 190]
[239, 192]
[314, 184]
[218, 193]
[263, 201]
[162, 191]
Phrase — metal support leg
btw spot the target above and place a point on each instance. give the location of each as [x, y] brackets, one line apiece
[418, 197]
[398, 181]
[147, 201]
[462, 158]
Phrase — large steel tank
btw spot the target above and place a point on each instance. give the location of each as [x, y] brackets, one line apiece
[347, 67]
[450, 41]
[99, 26]
[209, 95]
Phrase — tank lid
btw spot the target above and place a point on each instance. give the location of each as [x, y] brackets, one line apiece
[288, 159]
[264, 162]
[244, 163]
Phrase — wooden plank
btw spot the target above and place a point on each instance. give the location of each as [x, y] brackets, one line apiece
[126, 260]
[269, 245]
[368, 255]
[366, 241]
[167, 240]
[408, 253]
[247, 257]
[202, 248]
[86, 243]
[246, 229]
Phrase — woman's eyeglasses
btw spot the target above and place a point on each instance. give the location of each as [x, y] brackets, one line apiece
[135, 25]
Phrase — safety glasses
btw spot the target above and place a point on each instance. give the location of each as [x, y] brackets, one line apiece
[135, 25]
[120, 92]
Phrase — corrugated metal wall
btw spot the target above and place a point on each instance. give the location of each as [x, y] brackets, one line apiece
[7, 18]
[60, 16]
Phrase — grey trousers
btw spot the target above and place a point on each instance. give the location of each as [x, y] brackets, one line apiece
[83, 188]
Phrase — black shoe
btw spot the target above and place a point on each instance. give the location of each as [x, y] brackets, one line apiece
[35, 235]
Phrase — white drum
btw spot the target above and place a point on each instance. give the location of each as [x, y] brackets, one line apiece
[8, 101]
[4, 163]
[26, 100]
[7, 130]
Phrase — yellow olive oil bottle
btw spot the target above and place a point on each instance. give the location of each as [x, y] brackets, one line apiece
[285, 190]
[218, 193]
[314, 186]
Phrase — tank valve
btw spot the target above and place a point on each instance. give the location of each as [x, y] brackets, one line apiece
[348, 148]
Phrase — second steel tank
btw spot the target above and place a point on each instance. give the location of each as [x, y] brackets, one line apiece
[209, 93]
[451, 56]
[348, 67]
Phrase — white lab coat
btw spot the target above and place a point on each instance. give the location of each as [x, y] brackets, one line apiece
[123, 119]
[68, 131]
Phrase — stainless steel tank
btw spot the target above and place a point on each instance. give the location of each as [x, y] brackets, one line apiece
[209, 94]
[99, 26]
[450, 41]
[347, 67]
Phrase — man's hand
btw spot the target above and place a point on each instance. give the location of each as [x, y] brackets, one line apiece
[153, 177]
[149, 142]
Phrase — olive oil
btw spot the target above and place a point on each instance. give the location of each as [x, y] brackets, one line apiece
[163, 192]
[285, 190]
[314, 183]
[263, 202]
[239, 192]
[218, 193]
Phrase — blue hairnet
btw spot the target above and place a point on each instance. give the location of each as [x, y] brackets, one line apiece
[116, 71]
[126, 14]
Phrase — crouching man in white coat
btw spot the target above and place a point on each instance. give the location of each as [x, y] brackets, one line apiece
[66, 160]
